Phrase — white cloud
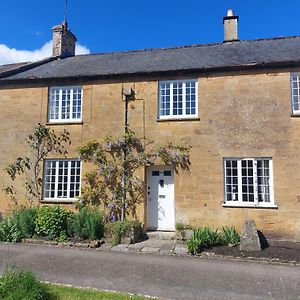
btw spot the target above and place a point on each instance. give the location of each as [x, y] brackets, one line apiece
[12, 55]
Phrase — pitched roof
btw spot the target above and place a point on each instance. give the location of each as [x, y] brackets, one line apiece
[10, 67]
[209, 57]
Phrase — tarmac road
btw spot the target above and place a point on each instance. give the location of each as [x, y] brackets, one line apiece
[168, 277]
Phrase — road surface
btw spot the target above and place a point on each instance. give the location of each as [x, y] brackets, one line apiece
[168, 277]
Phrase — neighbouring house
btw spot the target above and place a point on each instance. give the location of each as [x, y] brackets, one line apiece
[237, 103]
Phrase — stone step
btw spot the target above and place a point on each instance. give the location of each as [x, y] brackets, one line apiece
[161, 235]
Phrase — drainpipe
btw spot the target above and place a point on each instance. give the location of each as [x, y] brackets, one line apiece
[128, 95]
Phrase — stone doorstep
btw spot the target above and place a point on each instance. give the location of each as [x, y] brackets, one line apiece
[161, 235]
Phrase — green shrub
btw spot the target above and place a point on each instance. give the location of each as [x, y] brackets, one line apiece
[229, 235]
[115, 231]
[20, 224]
[17, 284]
[27, 218]
[9, 230]
[52, 222]
[182, 226]
[203, 238]
[87, 224]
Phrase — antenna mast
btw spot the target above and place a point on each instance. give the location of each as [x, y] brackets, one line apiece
[66, 11]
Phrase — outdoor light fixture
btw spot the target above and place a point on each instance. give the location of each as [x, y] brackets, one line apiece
[128, 93]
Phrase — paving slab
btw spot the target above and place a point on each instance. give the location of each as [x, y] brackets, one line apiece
[135, 247]
[119, 248]
[150, 250]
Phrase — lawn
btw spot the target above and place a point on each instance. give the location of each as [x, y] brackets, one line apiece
[71, 293]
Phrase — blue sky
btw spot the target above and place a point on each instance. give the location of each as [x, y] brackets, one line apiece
[118, 25]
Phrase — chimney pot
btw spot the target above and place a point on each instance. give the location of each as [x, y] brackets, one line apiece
[230, 13]
[230, 27]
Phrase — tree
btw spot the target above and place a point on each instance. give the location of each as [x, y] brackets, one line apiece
[114, 183]
[41, 142]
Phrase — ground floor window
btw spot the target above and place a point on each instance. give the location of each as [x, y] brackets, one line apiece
[61, 179]
[248, 181]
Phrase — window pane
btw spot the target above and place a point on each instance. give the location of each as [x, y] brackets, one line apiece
[295, 87]
[58, 183]
[263, 181]
[231, 181]
[253, 178]
[247, 180]
[177, 98]
[65, 103]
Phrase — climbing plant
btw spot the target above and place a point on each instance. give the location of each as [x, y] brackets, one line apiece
[114, 183]
[42, 142]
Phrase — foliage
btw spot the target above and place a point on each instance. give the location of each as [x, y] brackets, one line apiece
[41, 142]
[87, 223]
[204, 238]
[120, 229]
[20, 224]
[117, 161]
[229, 235]
[22, 284]
[182, 226]
[52, 222]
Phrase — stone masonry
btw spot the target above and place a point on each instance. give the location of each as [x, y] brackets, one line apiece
[241, 114]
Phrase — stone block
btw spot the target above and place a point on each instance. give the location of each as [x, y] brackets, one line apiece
[249, 237]
[119, 248]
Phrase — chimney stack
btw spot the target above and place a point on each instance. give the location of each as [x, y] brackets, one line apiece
[63, 41]
[230, 27]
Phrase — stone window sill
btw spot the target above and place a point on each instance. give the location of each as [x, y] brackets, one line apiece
[58, 201]
[64, 123]
[178, 119]
[250, 206]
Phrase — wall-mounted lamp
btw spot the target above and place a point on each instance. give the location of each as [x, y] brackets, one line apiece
[128, 93]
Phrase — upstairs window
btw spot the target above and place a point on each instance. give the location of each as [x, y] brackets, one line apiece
[178, 99]
[61, 179]
[295, 89]
[65, 104]
[248, 182]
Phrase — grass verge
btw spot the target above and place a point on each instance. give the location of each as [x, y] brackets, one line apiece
[60, 292]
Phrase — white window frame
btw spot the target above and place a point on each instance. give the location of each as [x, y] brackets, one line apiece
[60, 119]
[240, 202]
[295, 92]
[183, 115]
[56, 198]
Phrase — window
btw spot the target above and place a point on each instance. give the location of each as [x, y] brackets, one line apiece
[295, 88]
[178, 99]
[248, 181]
[61, 179]
[65, 104]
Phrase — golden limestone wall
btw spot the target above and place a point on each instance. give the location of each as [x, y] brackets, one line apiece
[241, 115]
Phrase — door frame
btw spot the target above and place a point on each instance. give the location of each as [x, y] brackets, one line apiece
[148, 176]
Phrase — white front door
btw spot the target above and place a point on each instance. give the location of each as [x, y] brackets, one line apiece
[160, 198]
